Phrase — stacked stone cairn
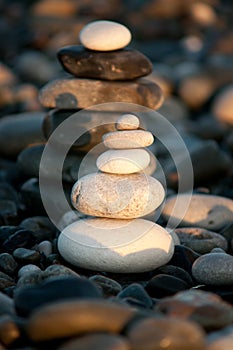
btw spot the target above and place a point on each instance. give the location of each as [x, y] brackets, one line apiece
[117, 239]
[103, 70]
[113, 237]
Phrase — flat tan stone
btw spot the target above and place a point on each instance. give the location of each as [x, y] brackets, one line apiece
[71, 318]
[206, 211]
[128, 139]
[117, 196]
[113, 245]
[166, 333]
[70, 93]
[127, 161]
[105, 36]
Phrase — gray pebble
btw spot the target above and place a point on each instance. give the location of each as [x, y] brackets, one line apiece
[27, 269]
[214, 269]
[45, 247]
[200, 240]
[8, 263]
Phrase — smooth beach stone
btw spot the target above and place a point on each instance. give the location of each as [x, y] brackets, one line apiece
[27, 269]
[8, 264]
[70, 93]
[165, 333]
[214, 269]
[17, 131]
[128, 139]
[122, 246]
[200, 240]
[125, 161]
[184, 257]
[127, 122]
[26, 256]
[117, 196]
[20, 239]
[9, 330]
[45, 247]
[6, 305]
[223, 106]
[51, 291]
[104, 36]
[126, 64]
[163, 285]
[138, 293]
[175, 271]
[41, 226]
[207, 309]
[109, 286]
[207, 211]
[97, 341]
[73, 318]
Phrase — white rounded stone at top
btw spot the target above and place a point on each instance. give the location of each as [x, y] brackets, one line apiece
[127, 122]
[124, 246]
[105, 36]
[125, 161]
[128, 139]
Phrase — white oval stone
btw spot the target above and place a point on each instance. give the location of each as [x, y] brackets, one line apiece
[128, 139]
[116, 245]
[206, 211]
[105, 36]
[117, 196]
[127, 122]
[127, 161]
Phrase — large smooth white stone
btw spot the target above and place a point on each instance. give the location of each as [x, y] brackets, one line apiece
[128, 139]
[117, 196]
[105, 36]
[116, 245]
[126, 161]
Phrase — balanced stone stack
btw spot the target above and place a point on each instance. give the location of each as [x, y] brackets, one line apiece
[117, 239]
[103, 70]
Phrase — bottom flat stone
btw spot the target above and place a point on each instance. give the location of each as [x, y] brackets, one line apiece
[113, 245]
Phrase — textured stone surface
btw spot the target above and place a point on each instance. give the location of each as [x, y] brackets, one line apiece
[117, 196]
[207, 309]
[127, 122]
[207, 211]
[165, 333]
[200, 240]
[214, 269]
[124, 64]
[116, 245]
[66, 319]
[104, 36]
[126, 161]
[70, 93]
[128, 139]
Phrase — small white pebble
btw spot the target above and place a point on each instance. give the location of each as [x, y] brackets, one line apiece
[45, 247]
[27, 269]
[104, 36]
[127, 122]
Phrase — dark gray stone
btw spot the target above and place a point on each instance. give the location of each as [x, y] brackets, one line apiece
[109, 286]
[8, 264]
[126, 64]
[28, 299]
